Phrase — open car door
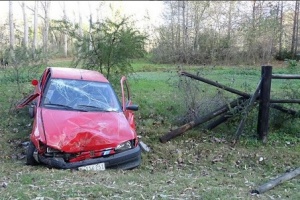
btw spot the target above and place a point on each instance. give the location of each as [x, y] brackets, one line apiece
[127, 105]
[26, 100]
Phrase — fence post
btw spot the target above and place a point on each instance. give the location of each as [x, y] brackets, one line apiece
[264, 104]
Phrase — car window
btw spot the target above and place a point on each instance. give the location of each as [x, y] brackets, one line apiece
[81, 94]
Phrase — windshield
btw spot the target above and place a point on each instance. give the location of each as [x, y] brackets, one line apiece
[80, 95]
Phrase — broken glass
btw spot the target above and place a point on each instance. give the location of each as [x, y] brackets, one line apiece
[89, 95]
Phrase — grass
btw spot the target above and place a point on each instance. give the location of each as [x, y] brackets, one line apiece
[196, 165]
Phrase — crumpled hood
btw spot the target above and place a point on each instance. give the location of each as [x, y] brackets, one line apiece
[74, 131]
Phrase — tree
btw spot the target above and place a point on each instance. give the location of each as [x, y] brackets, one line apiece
[46, 7]
[280, 4]
[109, 47]
[11, 26]
[295, 30]
[34, 42]
[205, 32]
[80, 21]
[25, 39]
[65, 35]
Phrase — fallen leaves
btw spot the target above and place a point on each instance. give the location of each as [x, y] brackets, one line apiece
[4, 184]
[218, 158]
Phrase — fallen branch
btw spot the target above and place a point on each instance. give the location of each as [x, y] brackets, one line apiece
[267, 186]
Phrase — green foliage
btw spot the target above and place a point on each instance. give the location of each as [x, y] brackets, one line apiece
[109, 47]
[283, 55]
[292, 64]
[196, 165]
[23, 65]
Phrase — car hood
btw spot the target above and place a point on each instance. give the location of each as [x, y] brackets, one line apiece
[74, 131]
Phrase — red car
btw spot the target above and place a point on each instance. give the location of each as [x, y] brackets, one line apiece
[79, 123]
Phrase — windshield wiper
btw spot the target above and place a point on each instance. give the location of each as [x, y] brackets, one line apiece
[96, 108]
[64, 106]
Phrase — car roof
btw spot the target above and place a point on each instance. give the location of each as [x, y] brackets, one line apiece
[77, 74]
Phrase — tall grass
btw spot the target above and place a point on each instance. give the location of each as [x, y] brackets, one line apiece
[197, 165]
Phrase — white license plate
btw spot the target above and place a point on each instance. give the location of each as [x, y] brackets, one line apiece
[95, 167]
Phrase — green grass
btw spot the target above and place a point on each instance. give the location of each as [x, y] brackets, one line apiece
[196, 165]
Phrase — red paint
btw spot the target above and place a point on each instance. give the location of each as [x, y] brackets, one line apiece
[77, 74]
[85, 131]
[86, 134]
[34, 82]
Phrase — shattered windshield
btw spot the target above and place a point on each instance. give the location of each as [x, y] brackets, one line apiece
[80, 95]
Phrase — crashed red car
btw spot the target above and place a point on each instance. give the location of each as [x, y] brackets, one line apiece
[79, 123]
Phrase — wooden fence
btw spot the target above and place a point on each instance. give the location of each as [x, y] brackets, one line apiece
[244, 103]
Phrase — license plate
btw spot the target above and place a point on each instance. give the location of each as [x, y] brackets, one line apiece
[95, 167]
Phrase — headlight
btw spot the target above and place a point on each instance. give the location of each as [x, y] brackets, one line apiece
[51, 150]
[123, 146]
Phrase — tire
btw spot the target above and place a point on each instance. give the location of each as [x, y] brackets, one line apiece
[29, 154]
[31, 111]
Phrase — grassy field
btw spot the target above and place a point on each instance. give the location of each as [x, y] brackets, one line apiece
[197, 165]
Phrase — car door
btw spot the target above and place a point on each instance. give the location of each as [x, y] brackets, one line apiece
[126, 102]
[27, 100]
[39, 86]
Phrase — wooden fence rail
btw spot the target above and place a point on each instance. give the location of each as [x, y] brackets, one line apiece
[261, 96]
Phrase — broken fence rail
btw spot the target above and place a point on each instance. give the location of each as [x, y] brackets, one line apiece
[174, 133]
[271, 184]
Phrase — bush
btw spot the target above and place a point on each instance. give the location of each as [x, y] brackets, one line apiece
[286, 55]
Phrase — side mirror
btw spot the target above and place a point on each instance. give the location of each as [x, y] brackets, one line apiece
[34, 82]
[132, 107]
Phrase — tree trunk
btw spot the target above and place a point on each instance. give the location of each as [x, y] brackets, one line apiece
[280, 28]
[184, 31]
[90, 29]
[196, 25]
[11, 26]
[80, 21]
[178, 28]
[172, 26]
[25, 39]
[65, 35]
[34, 43]
[229, 21]
[297, 24]
[252, 34]
[46, 27]
[295, 30]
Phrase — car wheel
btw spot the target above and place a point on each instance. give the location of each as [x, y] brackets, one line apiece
[31, 111]
[29, 155]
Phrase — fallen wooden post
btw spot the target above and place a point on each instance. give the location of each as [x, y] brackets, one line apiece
[251, 103]
[267, 186]
[198, 121]
[283, 109]
[217, 122]
[262, 94]
[225, 116]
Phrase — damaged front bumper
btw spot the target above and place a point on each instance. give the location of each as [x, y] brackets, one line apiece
[124, 160]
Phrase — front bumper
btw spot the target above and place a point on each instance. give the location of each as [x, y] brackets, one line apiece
[125, 160]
